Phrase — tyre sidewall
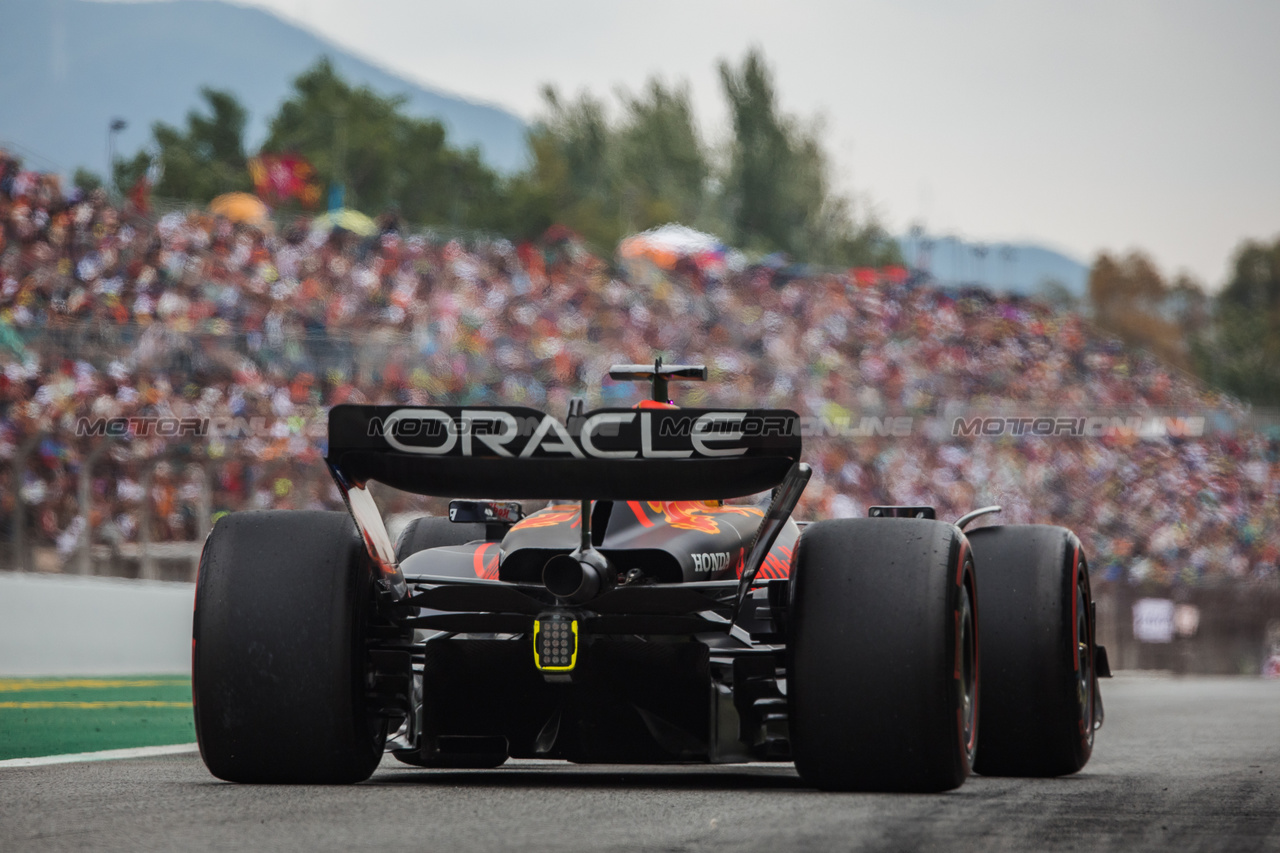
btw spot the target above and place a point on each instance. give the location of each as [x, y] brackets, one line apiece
[1034, 581]
[278, 657]
[872, 654]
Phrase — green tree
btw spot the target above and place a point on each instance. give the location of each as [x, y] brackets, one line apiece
[351, 136]
[777, 190]
[438, 184]
[1241, 351]
[761, 196]
[583, 141]
[607, 178]
[603, 178]
[1255, 280]
[86, 180]
[204, 160]
[662, 164]
[384, 158]
[572, 178]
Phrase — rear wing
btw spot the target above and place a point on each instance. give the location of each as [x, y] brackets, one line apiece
[522, 454]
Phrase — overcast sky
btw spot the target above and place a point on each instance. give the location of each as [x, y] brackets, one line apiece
[1089, 125]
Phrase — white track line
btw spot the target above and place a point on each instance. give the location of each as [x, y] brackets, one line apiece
[104, 755]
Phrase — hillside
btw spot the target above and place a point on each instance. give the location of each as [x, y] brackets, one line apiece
[70, 66]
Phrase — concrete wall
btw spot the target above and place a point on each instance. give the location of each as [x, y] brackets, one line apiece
[68, 625]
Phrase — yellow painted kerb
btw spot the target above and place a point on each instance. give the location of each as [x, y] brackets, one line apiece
[140, 703]
[14, 685]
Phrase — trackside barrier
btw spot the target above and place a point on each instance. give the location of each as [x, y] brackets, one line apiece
[72, 625]
[1222, 630]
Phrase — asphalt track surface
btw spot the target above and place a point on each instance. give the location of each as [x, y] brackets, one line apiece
[1182, 764]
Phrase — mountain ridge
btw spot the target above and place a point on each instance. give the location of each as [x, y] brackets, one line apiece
[71, 66]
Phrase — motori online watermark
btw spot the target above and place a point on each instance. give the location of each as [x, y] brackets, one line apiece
[810, 427]
[202, 427]
[276, 427]
[1089, 426]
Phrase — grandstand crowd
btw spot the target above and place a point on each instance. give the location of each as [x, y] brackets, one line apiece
[105, 314]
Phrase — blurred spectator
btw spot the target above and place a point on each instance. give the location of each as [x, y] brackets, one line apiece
[193, 316]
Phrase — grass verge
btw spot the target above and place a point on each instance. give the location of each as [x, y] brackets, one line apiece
[54, 716]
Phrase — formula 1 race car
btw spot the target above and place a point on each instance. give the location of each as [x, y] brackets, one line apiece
[637, 618]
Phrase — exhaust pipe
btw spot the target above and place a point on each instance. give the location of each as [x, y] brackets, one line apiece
[578, 577]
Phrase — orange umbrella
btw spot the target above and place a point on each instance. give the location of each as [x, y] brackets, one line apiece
[665, 246]
[240, 207]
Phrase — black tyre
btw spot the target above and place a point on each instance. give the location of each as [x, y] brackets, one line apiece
[1039, 687]
[882, 674]
[278, 652]
[432, 532]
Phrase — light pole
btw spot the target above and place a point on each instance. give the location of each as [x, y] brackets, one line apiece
[117, 125]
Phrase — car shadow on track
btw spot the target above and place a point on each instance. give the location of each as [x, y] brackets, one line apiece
[700, 778]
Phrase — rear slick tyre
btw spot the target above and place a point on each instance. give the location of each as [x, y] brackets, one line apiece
[278, 650]
[1039, 686]
[883, 656]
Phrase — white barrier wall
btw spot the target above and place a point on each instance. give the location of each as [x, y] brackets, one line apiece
[68, 625]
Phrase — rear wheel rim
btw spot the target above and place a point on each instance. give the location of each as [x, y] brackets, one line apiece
[1084, 658]
[967, 670]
